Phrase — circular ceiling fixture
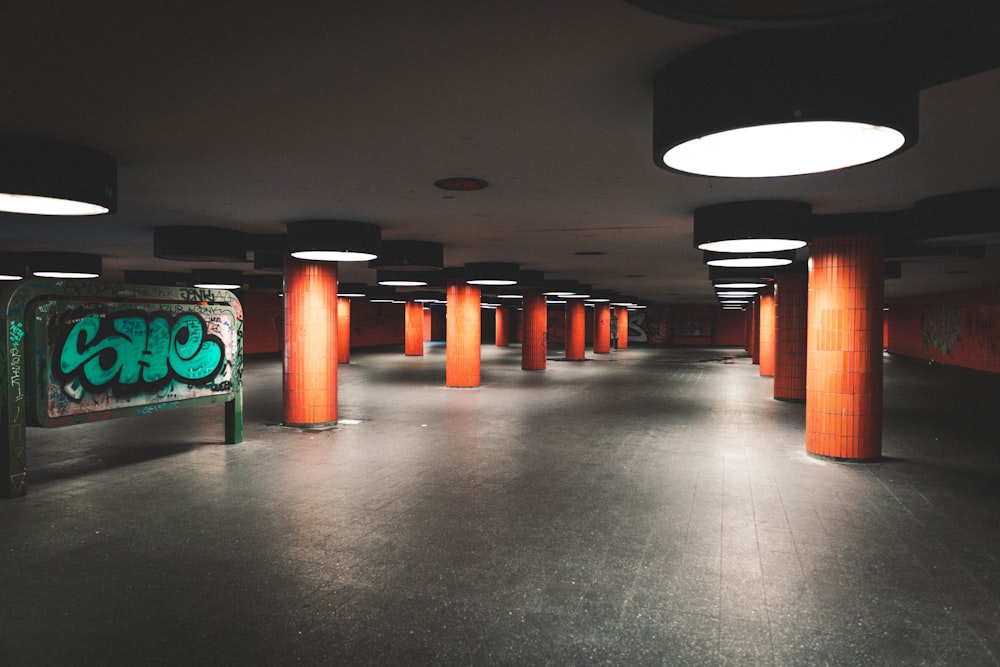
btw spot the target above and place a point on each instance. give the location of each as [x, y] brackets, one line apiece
[409, 256]
[196, 243]
[491, 273]
[69, 265]
[461, 184]
[749, 260]
[959, 219]
[216, 279]
[778, 13]
[45, 177]
[751, 226]
[768, 104]
[333, 240]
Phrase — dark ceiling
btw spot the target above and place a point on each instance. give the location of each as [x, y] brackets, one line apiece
[249, 115]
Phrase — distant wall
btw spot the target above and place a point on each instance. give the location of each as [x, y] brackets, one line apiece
[957, 328]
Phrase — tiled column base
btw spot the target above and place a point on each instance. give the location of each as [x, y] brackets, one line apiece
[462, 353]
[576, 330]
[766, 335]
[790, 309]
[534, 331]
[343, 330]
[413, 323]
[602, 328]
[844, 348]
[309, 390]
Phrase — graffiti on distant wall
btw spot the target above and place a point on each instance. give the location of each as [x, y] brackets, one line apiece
[986, 329]
[941, 327]
[101, 360]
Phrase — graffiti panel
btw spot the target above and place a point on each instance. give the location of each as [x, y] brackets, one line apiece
[117, 355]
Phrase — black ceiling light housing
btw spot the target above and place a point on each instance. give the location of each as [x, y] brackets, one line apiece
[781, 103]
[334, 240]
[45, 177]
[13, 266]
[267, 282]
[352, 290]
[749, 260]
[195, 243]
[752, 226]
[401, 278]
[217, 278]
[65, 265]
[409, 256]
[269, 251]
[160, 278]
[491, 273]
[959, 219]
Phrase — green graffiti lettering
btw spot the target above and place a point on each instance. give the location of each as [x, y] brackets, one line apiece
[136, 352]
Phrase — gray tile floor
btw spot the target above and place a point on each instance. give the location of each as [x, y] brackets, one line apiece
[646, 507]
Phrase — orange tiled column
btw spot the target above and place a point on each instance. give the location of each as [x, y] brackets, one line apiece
[309, 389]
[343, 330]
[428, 323]
[602, 328]
[621, 313]
[576, 330]
[413, 325]
[462, 354]
[534, 331]
[502, 315]
[790, 317]
[844, 351]
[766, 335]
[755, 330]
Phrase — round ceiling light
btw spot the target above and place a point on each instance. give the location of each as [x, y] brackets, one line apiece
[461, 184]
[491, 273]
[333, 240]
[768, 104]
[44, 177]
[752, 226]
[68, 265]
[216, 279]
[746, 260]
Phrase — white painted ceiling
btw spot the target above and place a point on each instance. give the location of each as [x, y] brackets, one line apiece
[249, 115]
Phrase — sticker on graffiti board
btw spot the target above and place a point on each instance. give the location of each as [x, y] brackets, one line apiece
[128, 356]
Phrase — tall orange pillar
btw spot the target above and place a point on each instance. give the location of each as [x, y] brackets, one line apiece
[790, 317]
[602, 328]
[534, 331]
[343, 330]
[766, 335]
[428, 323]
[844, 350]
[462, 353]
[413, 325]
[576, 330]
[309, 387]
[621, 313]
[755, 330]
[502, 315]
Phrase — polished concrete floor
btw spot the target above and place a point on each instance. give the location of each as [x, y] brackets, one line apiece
[651, 506]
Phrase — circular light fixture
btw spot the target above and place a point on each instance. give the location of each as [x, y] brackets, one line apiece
[159, 278]
[333, 240]
[752, 226]
[194, 243]
[491, 273]
[13, 266]
[409, 256]
[400, 278]
[768, 104]
[559, 288]
[959, 219]
[777, 13]
[60, 265]
[735, 285]
[735, 294]
[746, 260]
[216, 279]
[349, 290]
[44, 177]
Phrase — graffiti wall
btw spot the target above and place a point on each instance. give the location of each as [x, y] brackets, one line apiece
[958, 328]
[109, 356]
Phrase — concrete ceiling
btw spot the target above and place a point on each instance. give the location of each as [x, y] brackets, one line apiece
[253, 114]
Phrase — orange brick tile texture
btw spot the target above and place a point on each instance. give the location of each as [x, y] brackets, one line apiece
[791, 314]
[622, 314]
[767, 341]
[534, 331]
[844, 348]
[755, 331]
[462, 353]
[413, 325]
[343, 330]
[576, 330]
[502, 319]
[602, 328]
[309, 389]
